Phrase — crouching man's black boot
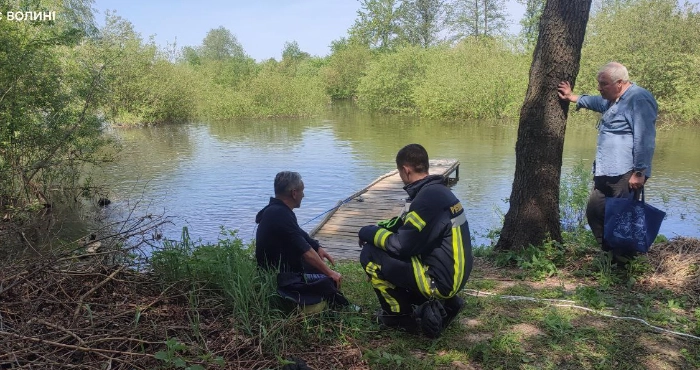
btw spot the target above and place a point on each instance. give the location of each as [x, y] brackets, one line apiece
[430, 317]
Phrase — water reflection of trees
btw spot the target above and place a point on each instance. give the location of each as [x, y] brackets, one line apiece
[150, 150]
[262, 133]
[379, 137]
[339, 153]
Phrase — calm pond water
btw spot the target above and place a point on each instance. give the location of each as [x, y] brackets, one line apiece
[208, 175]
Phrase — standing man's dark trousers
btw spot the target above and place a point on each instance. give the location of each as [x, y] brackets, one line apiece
[605, 186]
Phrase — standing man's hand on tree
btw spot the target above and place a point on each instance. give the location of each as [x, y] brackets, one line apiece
[565, 92]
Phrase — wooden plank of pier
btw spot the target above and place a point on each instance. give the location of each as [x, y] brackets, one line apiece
[382, 199]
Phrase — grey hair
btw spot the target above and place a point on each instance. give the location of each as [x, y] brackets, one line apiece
[285, 181]
[615, 71]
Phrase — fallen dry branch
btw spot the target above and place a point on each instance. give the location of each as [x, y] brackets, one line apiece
[98, 286]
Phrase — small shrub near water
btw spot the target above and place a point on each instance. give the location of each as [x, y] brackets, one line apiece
[573, 197]
[539, 261]
[226, 269]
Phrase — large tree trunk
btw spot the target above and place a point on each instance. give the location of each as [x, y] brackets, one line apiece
[534, 201]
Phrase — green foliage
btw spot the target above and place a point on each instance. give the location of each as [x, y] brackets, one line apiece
[291, 88]
[378, 24]
[143, 86]
[557, 325]
[190, 56]
[603, 270]
[422, 21]
[49, 89]
[658, 41]
[292, 53]
[590, 296]
[228, 73]
[226, 273]
[177, 355]
[383, 358]
[482, 251]
[275, 95]
[483, 18]
[538, 261]
[345, 68]
[479, 78]
[227, 267]
[531, 21]
[220, 44]
[692, 358]
[390, 80]
[498, 350]
[637, 267]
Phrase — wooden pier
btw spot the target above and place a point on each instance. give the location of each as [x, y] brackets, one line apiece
[382, 199]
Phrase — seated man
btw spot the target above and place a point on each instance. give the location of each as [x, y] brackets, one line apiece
[419, 262]
[282, 244]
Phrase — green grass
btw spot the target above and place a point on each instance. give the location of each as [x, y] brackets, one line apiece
[546, 307]
[492, 332]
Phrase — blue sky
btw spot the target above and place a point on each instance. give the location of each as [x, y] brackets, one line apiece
[261, 26]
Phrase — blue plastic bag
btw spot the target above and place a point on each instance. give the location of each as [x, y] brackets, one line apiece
[631, 224]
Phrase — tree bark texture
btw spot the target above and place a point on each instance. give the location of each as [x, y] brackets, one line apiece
[534, 201]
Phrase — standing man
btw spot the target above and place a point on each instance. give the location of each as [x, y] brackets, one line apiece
[626, 139]
[418, 262]
[281, 244]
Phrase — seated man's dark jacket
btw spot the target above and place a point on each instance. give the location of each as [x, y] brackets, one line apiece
[279, 239]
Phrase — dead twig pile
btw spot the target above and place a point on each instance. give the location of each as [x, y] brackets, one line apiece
[676, 265]
[86, 315]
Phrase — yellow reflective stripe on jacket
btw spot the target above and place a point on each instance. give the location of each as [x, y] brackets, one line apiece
[382, 286]
[458, 255]
[380, 238]
[416, 220]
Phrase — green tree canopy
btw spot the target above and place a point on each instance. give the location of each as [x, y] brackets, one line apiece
[476, 18]
[531, 20]
[291, 51]
[657, 40]
[49, 89]
[221, 44]
[378, 24]
[422, 21]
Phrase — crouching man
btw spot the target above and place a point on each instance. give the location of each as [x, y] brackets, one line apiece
[418, 262]
[281, 244]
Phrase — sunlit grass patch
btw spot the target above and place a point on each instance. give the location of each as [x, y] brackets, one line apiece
[481, 284]
[508, 321]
